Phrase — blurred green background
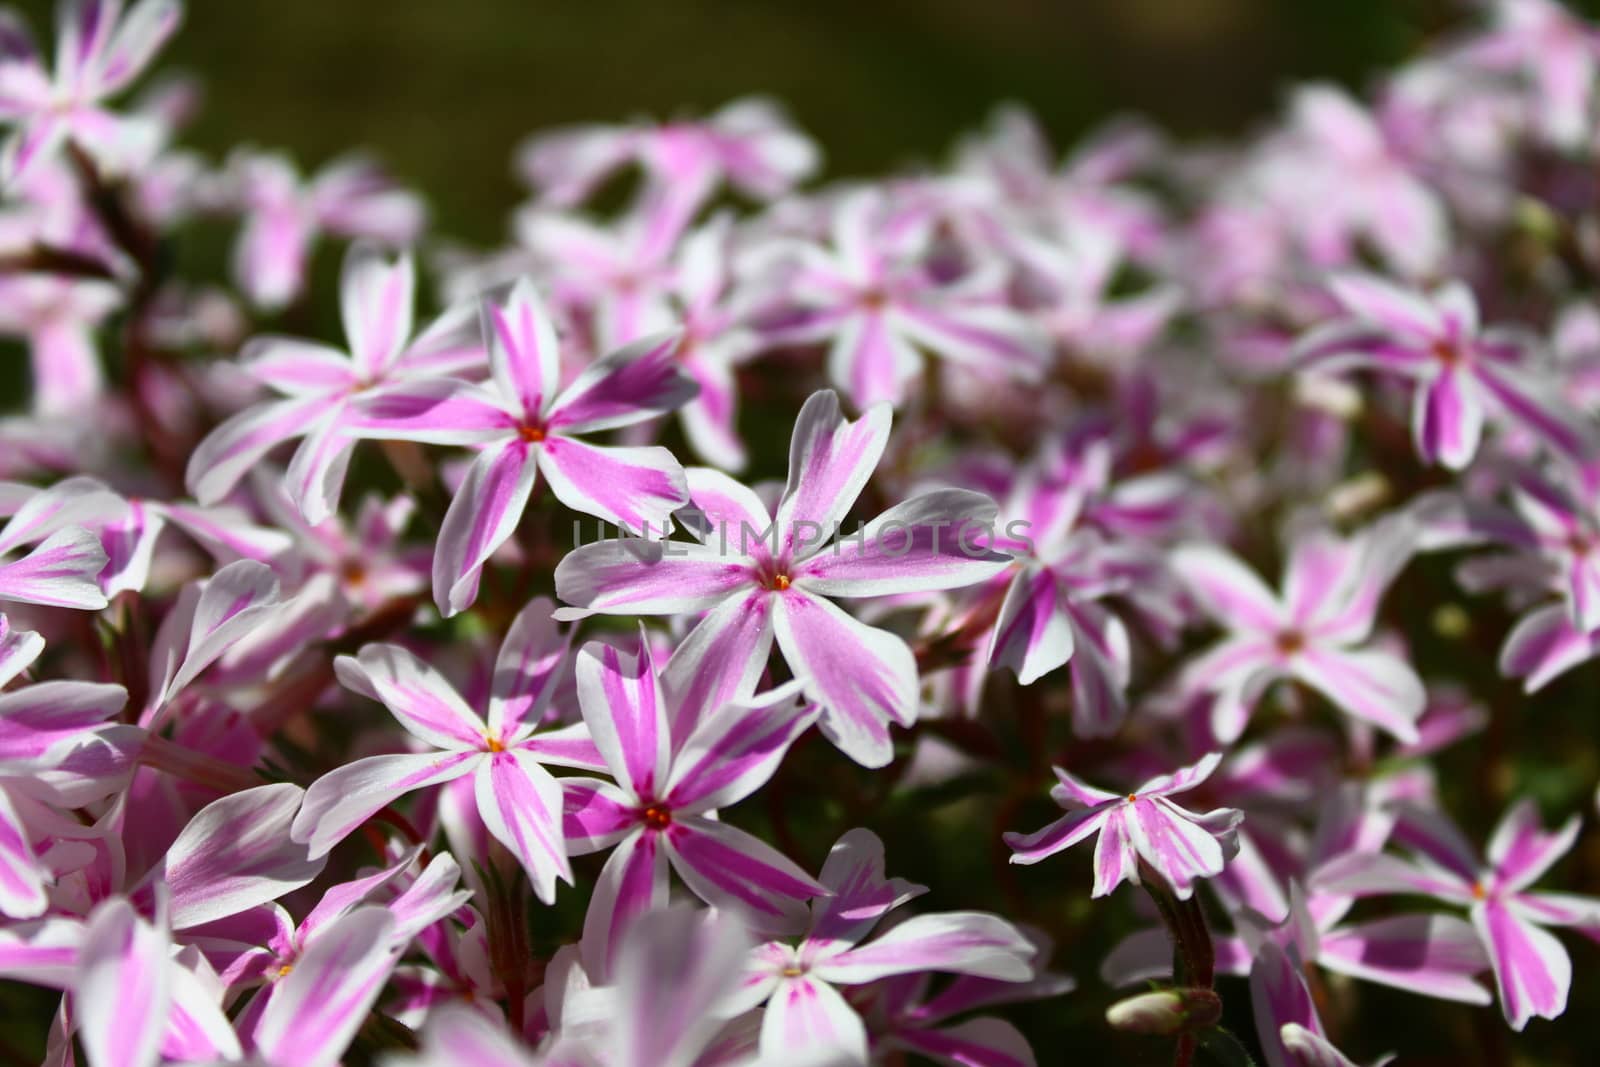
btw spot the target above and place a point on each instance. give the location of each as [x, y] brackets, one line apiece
[444, 90]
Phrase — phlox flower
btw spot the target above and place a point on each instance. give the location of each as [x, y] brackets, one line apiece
[1144, 825]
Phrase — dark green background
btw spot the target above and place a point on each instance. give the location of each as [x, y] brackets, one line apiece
[443, 90]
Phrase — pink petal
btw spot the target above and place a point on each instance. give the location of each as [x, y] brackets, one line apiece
[727, 867]
[627, 715]
[864, 678]
[628, 386]
[122, 992]
[1531, 969]
[938, 540]
[631, 576]
[734, 749]
[721, 660]
[806, 1017]
[235, 854]
[1226, 589]
[520, 803]
[483, 514]
[529, 668]
[62, 572]
[637, 489]
[316, 1010]
[416, 694]
[341, 800]
[523, 357]
[964, 942]
[830, 461]
[1031, 635]
[633, 882]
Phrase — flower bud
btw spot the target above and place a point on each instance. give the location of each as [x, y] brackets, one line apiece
[1166, 1012]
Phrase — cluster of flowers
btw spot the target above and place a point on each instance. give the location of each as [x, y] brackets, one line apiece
[1077, 397]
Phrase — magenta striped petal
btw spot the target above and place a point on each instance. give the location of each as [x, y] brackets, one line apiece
[987, 1040]
[1543, 645]
[417, 695]
[232, 604]
[630, 385]
[122, 990]
[565, 746]
[637, 489]
[631, 576]
[62, 572]
[729, 515]
[1115, 860]
[530, 666]
[622, 702]
[808, 1017]
[671, 1022]
[595, 815]
[226, 453]
[1226, 589]
[43, 953]
[298, 368]
[341, 800]
[523, 357]
[1520, 850]
[520, 803]
[1062, 834]
[1434, 955]
[727, 867]
[18, 649]
[963, 942]
[858, 893]
[236, 853]
[633, 882]
[984, 335]
[317, 1008]
[1032, 636]
[830, 461]
[37, 718]
[720, 661]
[22, 876]
[375, 300]
[864, 678]
[1375, 686]
[1447, 419]
[735, 749]
[1531, 969]
[934, 541]
[442, 411]
[485, 511]
[872, 361]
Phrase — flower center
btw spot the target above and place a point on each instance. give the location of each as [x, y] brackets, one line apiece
[493, 744]
[283, 972]
[780, 582]
[1132, 797]
[657, 816]
[355, 572]
[531, 434]
[1291, 642]
[1579, 544]
[874, 299]
[1479, 891]
[792, 971]
[1446, 352]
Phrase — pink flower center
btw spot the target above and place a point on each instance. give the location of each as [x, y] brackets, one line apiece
[656, 816]
[531, 434]
[1446, 352]
[1291, 642]
[1479, 891]
[779, 582]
